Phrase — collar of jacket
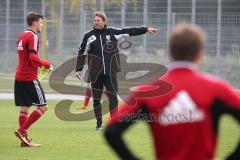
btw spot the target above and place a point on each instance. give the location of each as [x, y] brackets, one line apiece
[100, 30]
[31, 30]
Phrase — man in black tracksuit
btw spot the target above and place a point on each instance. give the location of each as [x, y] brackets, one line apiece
[100, 46]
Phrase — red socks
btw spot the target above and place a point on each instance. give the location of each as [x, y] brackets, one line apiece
[23, 116]
[32, 118]
[88, 95]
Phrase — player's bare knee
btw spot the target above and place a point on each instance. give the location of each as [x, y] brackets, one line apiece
[44, 108]
[24, 109]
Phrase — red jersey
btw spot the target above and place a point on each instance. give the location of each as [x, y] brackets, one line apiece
[184, 121]
[27, 43]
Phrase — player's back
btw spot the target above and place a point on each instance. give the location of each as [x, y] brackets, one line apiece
[27, 44]
[185, 128]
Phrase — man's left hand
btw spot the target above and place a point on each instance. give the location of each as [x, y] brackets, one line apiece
[153, 31]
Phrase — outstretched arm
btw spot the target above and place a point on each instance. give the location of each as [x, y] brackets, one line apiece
[133, 31]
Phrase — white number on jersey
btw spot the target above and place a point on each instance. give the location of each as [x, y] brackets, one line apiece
[19, 47]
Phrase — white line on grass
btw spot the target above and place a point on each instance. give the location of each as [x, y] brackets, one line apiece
[23, 158]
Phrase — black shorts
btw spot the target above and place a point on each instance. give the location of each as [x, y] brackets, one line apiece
[28, 93]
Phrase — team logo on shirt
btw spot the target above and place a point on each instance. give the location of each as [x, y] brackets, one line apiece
[92, 38]
[108, 37]
[181, 109]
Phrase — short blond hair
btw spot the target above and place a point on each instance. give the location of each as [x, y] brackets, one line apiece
[100, 14]
[186, 41]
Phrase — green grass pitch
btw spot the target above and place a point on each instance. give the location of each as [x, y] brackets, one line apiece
[78, 140]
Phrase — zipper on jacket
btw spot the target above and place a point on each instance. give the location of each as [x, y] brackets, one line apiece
[117, 61]
[104, 70]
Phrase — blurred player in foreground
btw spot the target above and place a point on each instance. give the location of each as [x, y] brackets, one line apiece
[184, 122]
[27, 89]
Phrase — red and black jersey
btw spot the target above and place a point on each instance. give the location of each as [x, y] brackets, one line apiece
[184, 121]
[27, 43]
[29, 61]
